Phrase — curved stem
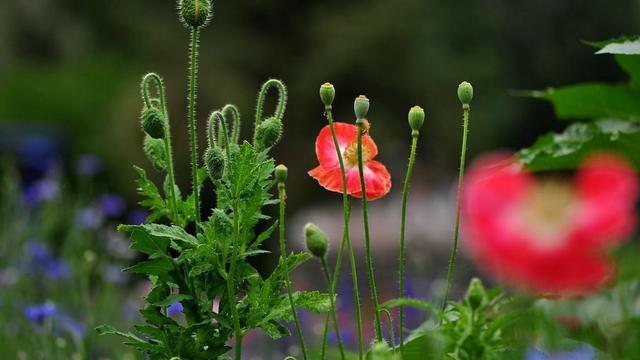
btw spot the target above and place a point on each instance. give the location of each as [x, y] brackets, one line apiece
[223, 136]
[167, 136]
[456, 226]
[334, 282]
[403, 222]
[283, 258]
[367, 239]
[235, 115]
[391, 332]
[336, 324]
[231, 282]
[193, 80]
[282, 99]
[346, 207]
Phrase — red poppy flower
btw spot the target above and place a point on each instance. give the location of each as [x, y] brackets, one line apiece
[376, 177]
[549, 236]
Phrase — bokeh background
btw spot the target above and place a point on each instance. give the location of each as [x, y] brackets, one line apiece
[70, 73]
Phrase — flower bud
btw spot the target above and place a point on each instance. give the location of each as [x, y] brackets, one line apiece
[361, 107]
[156, 152]
[153, 122]
[327, 94]
[215, 162]
[268, 134]
[316, 240]
[281, 173]
[195, 13]
[416, 118]
[476, 294]
[465, 93]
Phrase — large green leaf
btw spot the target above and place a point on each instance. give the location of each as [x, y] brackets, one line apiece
[568, 149]
[158, 266]
[593, 101]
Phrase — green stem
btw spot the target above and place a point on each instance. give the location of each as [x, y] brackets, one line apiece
[334, 282]
[283, 258]
[231, 279]
[346, 209]
[403, 223]
[336, 324]
[193, 80]
[456, 227]
[367, 239]
[391, 332]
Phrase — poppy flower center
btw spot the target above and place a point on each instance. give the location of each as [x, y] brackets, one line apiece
[350, 155]
[548, 211]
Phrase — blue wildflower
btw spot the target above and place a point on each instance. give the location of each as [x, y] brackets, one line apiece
[89, 218]
[38, 155]
[584, 352]
[71, 326]
[112, 205]
[40, 261]
[88, 165]
[137, 217]
[175, 308]
[40, 190]
[39, 313]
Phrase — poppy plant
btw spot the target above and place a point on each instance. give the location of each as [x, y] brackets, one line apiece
[376, 176]
[549, 236]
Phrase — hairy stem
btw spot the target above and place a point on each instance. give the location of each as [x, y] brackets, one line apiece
[336, 324]
[456, 226]
[403, 223]
[231, 283]
[283, 258]
[193, 82]
[367, 238]
[346, 210]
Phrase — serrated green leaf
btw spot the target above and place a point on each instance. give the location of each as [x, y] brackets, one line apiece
[132, 339]
[143, 242]
[593, 101]
[157, 266]
[274, 330]
[568, 149]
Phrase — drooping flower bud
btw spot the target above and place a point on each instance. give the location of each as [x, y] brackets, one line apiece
[361, 107]
[268, 134]
[316, 240]
[281, 173]
[195, 13]
[465, 93]
[153, 122]
[156, 152]
[327, 94]
[416, 118]
[476, 294]
[214, 160]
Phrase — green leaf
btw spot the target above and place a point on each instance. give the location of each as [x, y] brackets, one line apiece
[173, 299]
[274, 330]
[568, 149]
[132, 339]
[416, 303]
[157, 266]
[313, 301]
[152, 198]
[620, 46]
[423, 345]
[155, 238]
[593, 100]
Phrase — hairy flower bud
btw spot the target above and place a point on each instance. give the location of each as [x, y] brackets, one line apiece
[156, 152]
[316, 240]
[268, 133]
[476, 294]
[416, 118]
[465, 93]
[153, 122]
[215, 162]
[361, 107]
[195, 13]
[327, 94]
[281, 173]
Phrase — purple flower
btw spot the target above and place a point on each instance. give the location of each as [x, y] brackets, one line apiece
[40, 261]
[88, 165]
[71, 326]
[39, 313]
[584, 352]
[175, 308]
[114, 274]
[89, 218]
[112, 205]
[38, 155]
[41, 190]
[137, 217]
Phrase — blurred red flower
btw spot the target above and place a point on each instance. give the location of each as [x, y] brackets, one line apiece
[549, 236]
[377, 178]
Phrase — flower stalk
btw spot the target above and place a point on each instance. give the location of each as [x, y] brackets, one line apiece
[193, 82]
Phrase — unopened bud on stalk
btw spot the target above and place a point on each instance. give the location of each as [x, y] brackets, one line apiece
[268, 133]
[327, 94]
[195, 13]
[476, 294]
[153, 122]
[281, 173]
[215, 162]
[361, 107]
[416, 118]
[465, 93]
[156, 152]
[316, 240]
